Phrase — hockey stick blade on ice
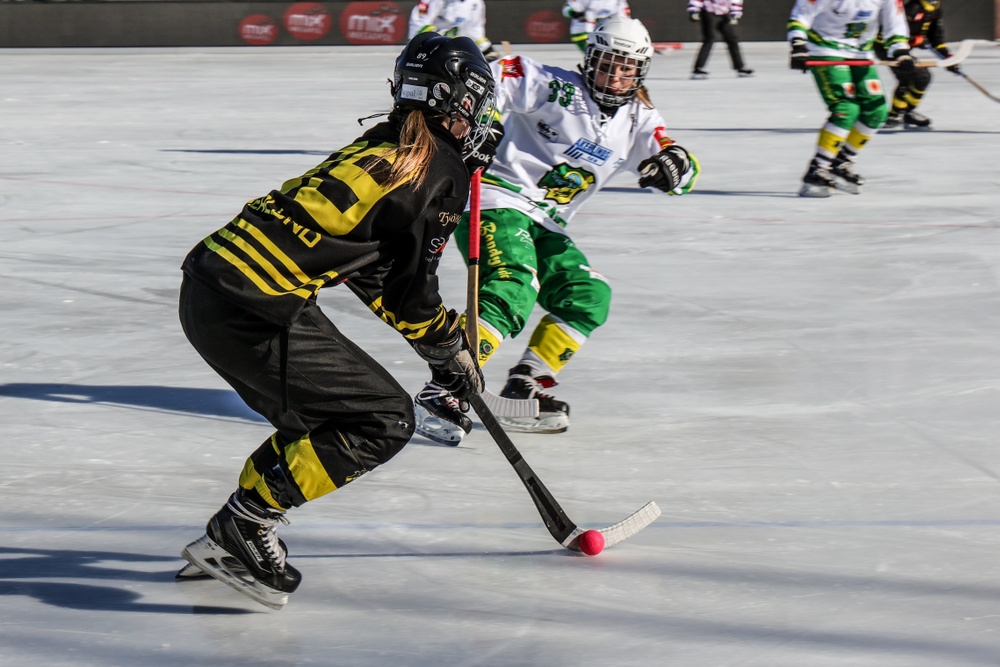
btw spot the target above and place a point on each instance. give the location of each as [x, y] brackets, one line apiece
[559, 525]
[964, 51]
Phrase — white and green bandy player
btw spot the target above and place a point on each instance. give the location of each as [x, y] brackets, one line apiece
[832, 31]
[566, 134]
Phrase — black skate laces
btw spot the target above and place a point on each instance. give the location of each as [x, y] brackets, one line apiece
[267, 531]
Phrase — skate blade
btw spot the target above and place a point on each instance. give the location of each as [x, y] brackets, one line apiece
[815, 190]
[542, 424]
[849, 187]
[216, 562]
[440, 431]
[191, 572]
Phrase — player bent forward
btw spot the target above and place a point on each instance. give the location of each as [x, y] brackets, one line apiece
[376, 212]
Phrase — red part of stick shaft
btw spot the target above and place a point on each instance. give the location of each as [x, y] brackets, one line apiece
[831, 63]
[474, 216]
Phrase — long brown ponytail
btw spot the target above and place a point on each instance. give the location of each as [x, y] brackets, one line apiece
[415, 152]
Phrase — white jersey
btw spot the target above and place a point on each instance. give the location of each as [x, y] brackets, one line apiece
[454, 18]
[847, 28]
[593, 11]
[558, 148]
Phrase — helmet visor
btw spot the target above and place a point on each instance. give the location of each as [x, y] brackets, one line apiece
[480, 116]
[615, 78]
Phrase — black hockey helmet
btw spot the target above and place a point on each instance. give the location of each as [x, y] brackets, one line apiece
[446, 75]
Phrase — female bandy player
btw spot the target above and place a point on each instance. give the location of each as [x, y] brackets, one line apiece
[567, 133]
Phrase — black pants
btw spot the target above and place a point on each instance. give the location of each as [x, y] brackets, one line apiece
[709, 24]
[337, 412]
[911, 89]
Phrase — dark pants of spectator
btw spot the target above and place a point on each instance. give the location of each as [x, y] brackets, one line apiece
[709, 24]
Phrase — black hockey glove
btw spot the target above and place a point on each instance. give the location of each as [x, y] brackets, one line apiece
[694, 16]
[905, 64]
[452, 365]
[665, 169]
[800, 55]
[954, 69]
[574, 14]
[483, 156]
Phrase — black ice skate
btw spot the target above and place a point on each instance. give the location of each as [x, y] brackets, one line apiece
[912, 119]
[240, 549]
[744, 72]
[553, 414]
[438, 416]
[699, 73]
[894, 120]
[845, 178]
[817, 182]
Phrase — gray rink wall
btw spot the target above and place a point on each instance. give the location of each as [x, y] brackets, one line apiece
[119, 23]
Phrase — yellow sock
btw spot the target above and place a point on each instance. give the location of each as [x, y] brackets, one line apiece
[831, 138]
[859, 136]
[555, 342]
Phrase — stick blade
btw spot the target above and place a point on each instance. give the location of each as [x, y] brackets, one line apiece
[510, 407]
[964, 51]
[622, 530]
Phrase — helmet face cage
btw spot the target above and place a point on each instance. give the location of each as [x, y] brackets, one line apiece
[619, 48]
[450, 77]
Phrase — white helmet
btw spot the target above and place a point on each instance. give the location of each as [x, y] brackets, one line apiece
[617, 43]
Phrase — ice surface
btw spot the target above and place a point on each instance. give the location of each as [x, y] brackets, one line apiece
[809, 389]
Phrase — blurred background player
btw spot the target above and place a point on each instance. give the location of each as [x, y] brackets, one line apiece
[721, 16]
[837, 30]
[453, 18]
[567, 134]
[926, 31]
[379, 212]
[583, 15]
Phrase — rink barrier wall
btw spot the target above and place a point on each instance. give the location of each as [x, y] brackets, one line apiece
[159, 23]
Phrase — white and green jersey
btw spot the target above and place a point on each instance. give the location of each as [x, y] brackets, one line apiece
[593, 11]
[558, 147]
[848, 28]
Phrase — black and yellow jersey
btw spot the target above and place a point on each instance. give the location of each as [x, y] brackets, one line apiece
[339, 220]
[926, 28]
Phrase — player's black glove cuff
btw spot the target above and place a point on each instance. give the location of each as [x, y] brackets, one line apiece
[574, 14]
[800, 55]
[954, 69]
[482, 157]
[905, 64]
[664, 170]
